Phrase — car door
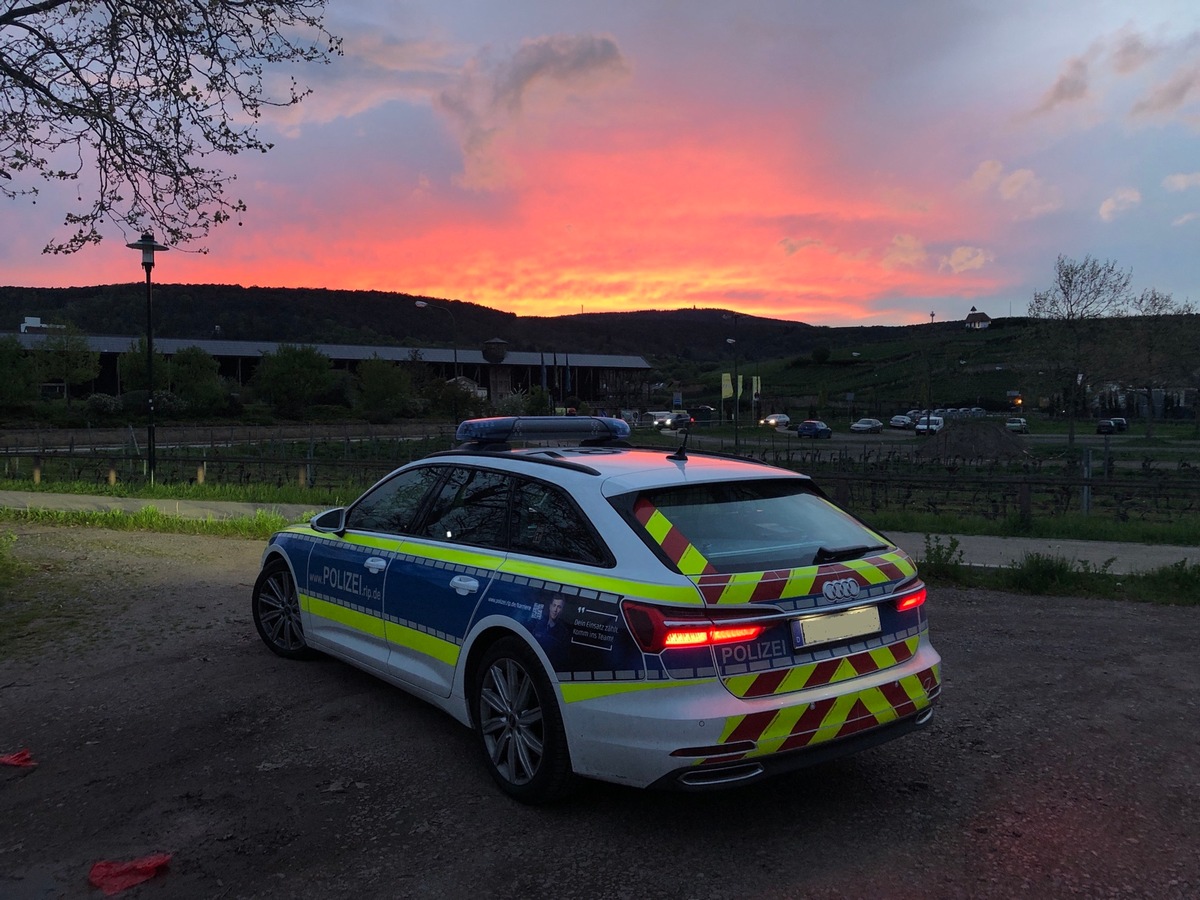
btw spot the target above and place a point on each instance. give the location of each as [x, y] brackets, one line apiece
[441, 574]
[348, 572]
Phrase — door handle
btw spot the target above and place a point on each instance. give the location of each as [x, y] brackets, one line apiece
[376, 564]
[464, 584]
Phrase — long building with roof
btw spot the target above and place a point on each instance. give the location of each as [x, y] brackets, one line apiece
[597, 379]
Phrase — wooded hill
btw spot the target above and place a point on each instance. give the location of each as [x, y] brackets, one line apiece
[374, 317]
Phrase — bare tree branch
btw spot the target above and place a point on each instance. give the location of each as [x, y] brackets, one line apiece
[144, 94]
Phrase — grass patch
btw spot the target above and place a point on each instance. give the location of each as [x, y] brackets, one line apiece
[260, 526]
[1184, 532]
[1046, 575]
[316, 497]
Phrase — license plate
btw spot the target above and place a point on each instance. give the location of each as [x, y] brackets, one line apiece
[841, 626]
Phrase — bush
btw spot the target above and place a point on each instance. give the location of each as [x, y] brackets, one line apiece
[103, 405]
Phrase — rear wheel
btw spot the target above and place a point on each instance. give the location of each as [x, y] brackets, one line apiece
[276, 609]
[519, 724]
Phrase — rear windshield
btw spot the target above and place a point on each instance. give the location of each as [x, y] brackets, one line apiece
[750, 526]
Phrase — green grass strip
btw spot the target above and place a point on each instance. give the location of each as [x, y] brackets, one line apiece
[260, 526]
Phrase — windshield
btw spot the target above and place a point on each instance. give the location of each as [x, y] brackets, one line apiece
[751, 526]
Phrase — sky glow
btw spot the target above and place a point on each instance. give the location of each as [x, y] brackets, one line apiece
[837, 163]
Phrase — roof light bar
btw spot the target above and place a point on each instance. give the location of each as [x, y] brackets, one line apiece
[501, 429]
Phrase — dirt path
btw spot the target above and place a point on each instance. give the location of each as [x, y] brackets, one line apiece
[1064, 761]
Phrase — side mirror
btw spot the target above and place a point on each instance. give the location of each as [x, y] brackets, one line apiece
[332, 521]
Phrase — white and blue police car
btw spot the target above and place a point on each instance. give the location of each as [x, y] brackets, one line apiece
[651, 617]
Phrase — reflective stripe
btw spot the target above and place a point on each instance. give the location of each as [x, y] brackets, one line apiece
[824, 720]
[604, 584]
[827, 671]
[368, 624]
[573, 692]
[441, 650]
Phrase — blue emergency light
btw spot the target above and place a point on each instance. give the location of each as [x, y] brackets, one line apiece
[502, 429]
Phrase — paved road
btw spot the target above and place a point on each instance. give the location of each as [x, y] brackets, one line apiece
[977, 550]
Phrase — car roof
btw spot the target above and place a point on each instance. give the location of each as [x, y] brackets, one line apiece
[620, 467]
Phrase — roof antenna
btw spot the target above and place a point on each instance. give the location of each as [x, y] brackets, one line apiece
[680, 455]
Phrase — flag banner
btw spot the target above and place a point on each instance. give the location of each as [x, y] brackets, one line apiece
[757, 382]
[726, 386]
[741, 378]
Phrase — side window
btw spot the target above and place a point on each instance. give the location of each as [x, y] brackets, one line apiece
[393, 505]
[547, 523]
[470, 507]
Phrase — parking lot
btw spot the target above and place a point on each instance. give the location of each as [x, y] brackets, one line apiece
[1063, 761]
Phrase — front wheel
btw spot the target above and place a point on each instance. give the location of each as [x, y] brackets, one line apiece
[275, 605]
[519, 724]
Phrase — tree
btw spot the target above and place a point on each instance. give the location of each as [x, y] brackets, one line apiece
[293, 378]
[143, 94]
[196, 379]
[1156, 353]
[131, 367]
[1083, 294]
[63, 355]
[385, 389]
[16, 387]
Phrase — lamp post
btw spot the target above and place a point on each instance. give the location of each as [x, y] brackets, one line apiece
[148, 245]
[737, 399]
[422, 304]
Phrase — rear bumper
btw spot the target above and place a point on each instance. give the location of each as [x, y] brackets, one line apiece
[717, 776]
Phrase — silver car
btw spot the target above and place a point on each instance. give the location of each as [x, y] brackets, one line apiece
[650, 617]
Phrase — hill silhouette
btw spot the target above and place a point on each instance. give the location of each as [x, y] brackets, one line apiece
[311, 315]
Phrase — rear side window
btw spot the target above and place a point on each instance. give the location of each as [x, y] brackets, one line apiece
[749, 526]
[547, 523]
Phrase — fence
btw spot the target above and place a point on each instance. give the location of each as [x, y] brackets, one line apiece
[864, 478]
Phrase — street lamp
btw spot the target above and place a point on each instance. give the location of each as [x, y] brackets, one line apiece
[422, 304]
[737, 399]
[736, 444]
[148, 245]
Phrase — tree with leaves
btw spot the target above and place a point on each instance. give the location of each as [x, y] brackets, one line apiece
[384, 390]
[1082, 296]
[16, 387]
[142, 95]
[1156, 355]
[293, 378]
[131, 367]
[64, 355]
[196, 379]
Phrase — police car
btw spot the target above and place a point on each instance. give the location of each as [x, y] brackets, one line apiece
[651, 617]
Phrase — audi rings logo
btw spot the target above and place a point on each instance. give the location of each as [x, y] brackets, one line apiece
[842, 589]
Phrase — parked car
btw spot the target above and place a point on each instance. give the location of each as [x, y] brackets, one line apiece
[813, 428]
[900, 422]
[1106, 426]
[1017, 425]
[1120, 424]
[929, 424]
[776, 420]
[610, 612]
[867, 426]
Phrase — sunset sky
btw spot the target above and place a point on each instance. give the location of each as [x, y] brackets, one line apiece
[837, 163]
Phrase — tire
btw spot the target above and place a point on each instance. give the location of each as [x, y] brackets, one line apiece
[275, 606]
[519, 724]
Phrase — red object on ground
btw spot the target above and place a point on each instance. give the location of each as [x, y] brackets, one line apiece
[113, 877]
[21, 758]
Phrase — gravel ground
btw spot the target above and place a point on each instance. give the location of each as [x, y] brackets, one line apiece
[1062, 762]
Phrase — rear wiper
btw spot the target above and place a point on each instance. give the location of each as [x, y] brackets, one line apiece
[837, 554]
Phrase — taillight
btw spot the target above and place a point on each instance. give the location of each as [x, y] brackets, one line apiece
[657, 628]
[911, 600]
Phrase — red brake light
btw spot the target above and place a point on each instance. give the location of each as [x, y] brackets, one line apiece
[659, 628]
[911, 600]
